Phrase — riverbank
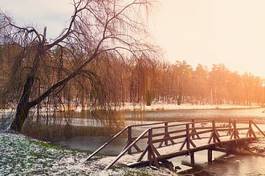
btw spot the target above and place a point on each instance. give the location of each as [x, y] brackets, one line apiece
[21, 155]
[173, 106]
[132, 107]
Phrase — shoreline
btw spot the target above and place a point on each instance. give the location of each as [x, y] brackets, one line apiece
[174, 107]
[170, 110]
[156, 107]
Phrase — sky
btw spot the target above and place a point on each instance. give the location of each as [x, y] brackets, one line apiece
[209, 32]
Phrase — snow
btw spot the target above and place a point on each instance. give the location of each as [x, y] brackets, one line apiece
[158, 106]
[6, 110]
[21, 155]
[166, 106]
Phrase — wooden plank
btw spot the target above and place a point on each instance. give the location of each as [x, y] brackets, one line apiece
[199, 148]
[168, 138]
[219, 149]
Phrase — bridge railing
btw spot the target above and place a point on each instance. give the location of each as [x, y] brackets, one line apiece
[162, 134]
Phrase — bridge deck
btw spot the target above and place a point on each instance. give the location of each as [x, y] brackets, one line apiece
[151, 144]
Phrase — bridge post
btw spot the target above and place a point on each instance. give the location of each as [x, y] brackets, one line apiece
[166, 136]
[210, 155]
[235, 133]
[151, 150]
[214, 131]
[188, 136]
[214, 135]
[230, 130]
[187, 140]
[166, 133]
[250, 132]
[193, 130]
[129, 139]
[149, 143]
[192, 159]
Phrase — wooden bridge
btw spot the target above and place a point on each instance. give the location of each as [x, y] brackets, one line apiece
[155, 143]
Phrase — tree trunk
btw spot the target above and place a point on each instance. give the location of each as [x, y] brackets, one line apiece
[23, 106]
[22, 112]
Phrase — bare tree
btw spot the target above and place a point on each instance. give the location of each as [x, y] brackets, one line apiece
[96, 27]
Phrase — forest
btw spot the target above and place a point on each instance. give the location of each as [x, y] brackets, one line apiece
[116, 81]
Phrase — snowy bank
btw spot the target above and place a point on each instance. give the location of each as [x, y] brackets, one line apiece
[141, 107]
[21, 155]
[164, 106]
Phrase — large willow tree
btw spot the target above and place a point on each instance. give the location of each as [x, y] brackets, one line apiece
[96, 28]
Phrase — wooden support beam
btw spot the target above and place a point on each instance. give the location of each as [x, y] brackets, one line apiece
[214, 135]
[167, 137]
[192, 159]
[187, 140]
[230, 129]
[250, 132]
[258, 128]
[166, 133]
[210, 155]
[149, 142]
[188, 136]
[152, 153]
[107, 143]
[220, 149]
[142, 155]
[235, 133]
[129, 141]
[193, 130]
[126, 149]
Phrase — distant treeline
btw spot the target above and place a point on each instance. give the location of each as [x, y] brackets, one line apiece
[115, 81]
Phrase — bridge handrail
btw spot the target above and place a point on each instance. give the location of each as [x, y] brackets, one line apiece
[258, 128]
[117, 135]
[178, 133]
[107, 142]
[127, 148]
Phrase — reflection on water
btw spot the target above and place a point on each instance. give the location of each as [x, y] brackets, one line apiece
[213, 113]
[239, 166]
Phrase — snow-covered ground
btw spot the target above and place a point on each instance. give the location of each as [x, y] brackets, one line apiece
[172, 106]
[21, 155]
[159, 106]
[164, 106]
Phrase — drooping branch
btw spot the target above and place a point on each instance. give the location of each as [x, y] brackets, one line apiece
[68, 30]
[97, 51]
